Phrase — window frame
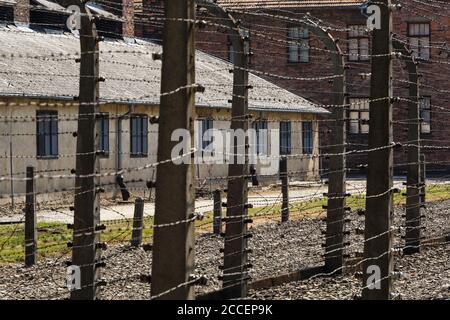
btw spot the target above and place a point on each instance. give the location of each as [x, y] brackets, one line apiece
[419, 46]
[102, 135]
[6, 14]
[429, 108]
[299, 47]
[358, 38]
[360, 119]
[265, 142]
[141, 137]
[204, 143]
[286, 150]
[53, 116]
[308, 150]
[40, 18]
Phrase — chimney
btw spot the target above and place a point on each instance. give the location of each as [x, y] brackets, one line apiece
[22, 12]
[128, 16]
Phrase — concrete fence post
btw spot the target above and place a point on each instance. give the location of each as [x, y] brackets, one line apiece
[217, 222]
[30, 219]
[284, 189]
[86, 252]
[174, 244]
[235, 265]
[413, 186]
[136, 236]
[378, 263]
[423, 178]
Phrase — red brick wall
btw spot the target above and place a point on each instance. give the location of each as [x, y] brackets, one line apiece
[148, 21]
[435, 75]
[270, 56]
[128, 16]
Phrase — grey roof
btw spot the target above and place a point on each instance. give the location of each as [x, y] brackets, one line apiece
[95, 8]
[52, 6]
[283, 4]
[55, 7]
[132, 76]
[8, 2]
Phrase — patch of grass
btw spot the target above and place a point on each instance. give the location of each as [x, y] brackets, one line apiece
[53, 237]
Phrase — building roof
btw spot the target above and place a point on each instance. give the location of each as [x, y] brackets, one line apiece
[7, 2]
[56, 7]
[101, 12]
[283, 4]
[132, 76]
[49, 5]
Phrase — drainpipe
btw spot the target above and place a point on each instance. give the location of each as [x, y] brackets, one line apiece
[119, 143]
[11, 169]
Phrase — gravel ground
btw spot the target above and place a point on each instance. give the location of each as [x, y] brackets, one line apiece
[277, 249]
[426, 276]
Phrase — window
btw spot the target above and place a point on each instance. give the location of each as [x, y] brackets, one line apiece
[260, 127]
[358, 115]
[298, 48]
[109, 24]
[6, 14]
[425, 114]
[358, 43]
[285, 137]
[139, 135]
[48, 16]
[104, 134]
[419, 40]
[47, 134]
[204, 139]
[109, 28]
[307, 137]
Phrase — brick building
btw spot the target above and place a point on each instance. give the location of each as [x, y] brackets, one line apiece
[39, 90]
[271, 25]
[421, 23]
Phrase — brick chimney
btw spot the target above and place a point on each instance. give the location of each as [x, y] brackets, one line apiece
[128, 16]
[22, 12]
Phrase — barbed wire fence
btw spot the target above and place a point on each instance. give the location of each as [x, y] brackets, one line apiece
[322, 234]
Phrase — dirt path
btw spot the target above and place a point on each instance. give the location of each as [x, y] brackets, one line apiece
[299, 191]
